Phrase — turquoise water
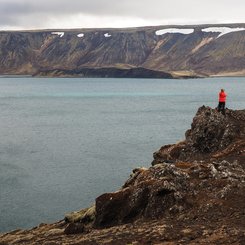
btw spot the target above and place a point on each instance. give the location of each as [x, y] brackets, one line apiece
[66, 141]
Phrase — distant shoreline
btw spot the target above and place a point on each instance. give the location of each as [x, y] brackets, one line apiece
[114, 72]
[14, 76]
[77, 76]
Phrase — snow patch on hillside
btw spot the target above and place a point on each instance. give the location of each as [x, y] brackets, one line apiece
[222, 30]
[107, 35]
[61, 34]
[174, 30]
[80, 35]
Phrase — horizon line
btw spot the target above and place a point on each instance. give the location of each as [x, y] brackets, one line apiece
[117, 28]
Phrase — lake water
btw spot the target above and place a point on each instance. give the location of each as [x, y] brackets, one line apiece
[66, 141]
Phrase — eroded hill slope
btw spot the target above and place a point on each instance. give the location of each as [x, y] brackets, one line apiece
[179, 50]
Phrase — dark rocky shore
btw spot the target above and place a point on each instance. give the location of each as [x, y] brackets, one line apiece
[194, 193]
[109, 72]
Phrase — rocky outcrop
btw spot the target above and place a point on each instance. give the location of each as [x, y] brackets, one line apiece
[154, 193]
[106, 72]
[71, 52]
[193, 194]
[212, 135]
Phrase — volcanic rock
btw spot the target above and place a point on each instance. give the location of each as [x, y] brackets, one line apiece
[212, 135]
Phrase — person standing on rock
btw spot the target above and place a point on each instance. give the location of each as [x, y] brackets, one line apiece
[222, 99]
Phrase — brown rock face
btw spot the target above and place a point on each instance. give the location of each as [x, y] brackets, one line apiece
[193, 194]
[212, 131]
[212, 135]
[153, 193]
[196, 54]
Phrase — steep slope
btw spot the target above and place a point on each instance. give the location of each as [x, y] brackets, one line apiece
[198, 50]
[193, 194]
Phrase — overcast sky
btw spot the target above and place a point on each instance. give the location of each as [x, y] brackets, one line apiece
[39, 14]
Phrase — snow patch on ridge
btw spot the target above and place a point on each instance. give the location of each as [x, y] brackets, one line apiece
[80, 35]
[61, 34]
[222, 30]
[174, 30]
[107, 35]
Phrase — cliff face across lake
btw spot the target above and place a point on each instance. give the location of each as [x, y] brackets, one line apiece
[194, 192]
[158, 51]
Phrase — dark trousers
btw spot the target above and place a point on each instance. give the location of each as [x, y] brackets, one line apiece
[221, 107]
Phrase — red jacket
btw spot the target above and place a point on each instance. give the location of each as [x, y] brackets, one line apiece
[222, 97]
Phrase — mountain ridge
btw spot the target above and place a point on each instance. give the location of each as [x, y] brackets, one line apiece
[200, 53]
[128, 28]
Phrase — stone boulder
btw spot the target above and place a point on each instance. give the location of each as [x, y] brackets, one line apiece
[153, 193]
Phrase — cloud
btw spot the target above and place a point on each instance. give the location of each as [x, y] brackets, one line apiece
[112, 13]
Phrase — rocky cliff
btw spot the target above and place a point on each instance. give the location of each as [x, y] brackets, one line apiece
[178, 51]
[194, 193]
